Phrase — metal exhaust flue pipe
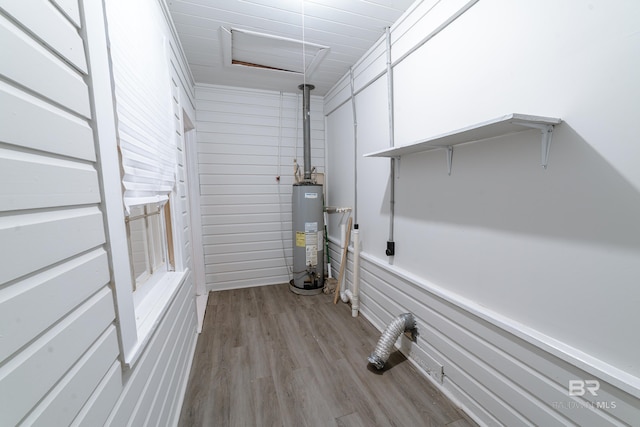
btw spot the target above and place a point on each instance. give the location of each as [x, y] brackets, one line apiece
[306, 128]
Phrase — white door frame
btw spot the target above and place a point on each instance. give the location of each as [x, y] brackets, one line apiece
[193, 190]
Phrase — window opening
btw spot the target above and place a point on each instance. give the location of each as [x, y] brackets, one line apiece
[150, 241]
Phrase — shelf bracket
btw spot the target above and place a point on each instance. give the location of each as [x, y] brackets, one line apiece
[449, 158]
[396, 166]
[547, 134]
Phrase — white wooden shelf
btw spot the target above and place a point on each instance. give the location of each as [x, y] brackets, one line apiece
[505, 125]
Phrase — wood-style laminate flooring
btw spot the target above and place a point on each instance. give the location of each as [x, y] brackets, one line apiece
[269, 357]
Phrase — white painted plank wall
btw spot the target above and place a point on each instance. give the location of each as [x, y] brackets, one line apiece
[421, 22]
[138, 395]
[58, 338]
[491, 373]
[245, 139]
[508, 347]
[152, 392]
[59, 351]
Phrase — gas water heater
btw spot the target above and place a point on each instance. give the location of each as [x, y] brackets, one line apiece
[308, 219]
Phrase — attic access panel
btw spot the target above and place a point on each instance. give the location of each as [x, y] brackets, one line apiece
[270, 52]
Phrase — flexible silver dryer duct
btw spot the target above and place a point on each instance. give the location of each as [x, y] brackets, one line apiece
[404, 322]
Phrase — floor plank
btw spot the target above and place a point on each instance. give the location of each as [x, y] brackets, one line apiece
[268, 357]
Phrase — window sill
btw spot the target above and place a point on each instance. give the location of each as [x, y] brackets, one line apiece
[150, 307]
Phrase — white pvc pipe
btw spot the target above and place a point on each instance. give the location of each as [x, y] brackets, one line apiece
[353, 294]
[345, 296]
[325, 244]
[345, 293]
[343, 229]
[355, 298]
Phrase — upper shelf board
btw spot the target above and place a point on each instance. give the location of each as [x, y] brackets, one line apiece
[511, 123]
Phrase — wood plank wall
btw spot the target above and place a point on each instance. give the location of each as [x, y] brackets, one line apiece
[245, 139]
[59, 351]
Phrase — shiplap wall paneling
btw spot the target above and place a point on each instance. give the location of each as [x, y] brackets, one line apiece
[33, 374]
[179, 345]
[246, 138]
[71, 8]
[97, 409]
[62, 37]
[59, 358]
[138, 395]
[478, 363]
[507, 357]
[152, 391]
[340, 163]
[181, 220]
[70, 90]
[61, 403]
[56, 310]
[170, 387]
[181, 72]
[422, 21]
[80, 228]
[55, 291]
[54, 182]
[27, 109]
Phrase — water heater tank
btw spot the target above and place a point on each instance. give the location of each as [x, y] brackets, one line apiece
[308, 239]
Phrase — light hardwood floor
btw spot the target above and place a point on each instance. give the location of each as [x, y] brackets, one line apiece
[268, 357]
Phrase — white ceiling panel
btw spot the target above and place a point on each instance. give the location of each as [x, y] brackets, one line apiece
[348, 28]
